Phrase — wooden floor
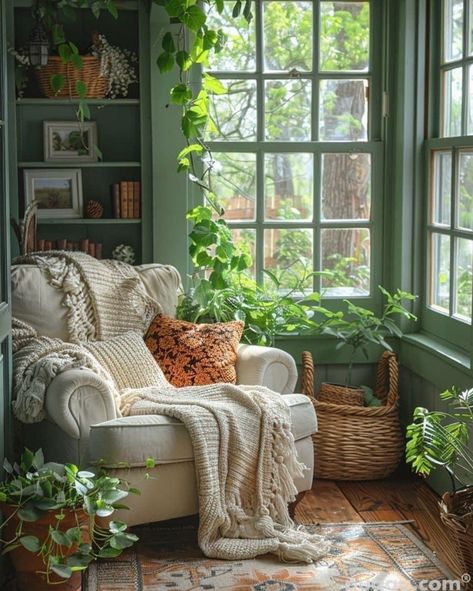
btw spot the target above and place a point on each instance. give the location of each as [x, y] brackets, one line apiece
[399, 498]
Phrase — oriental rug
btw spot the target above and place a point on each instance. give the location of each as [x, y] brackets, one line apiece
[363, 556]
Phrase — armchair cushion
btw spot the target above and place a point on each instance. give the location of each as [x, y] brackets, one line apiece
[266, 366]
[128, 361]
[194, 354]
[166, 439]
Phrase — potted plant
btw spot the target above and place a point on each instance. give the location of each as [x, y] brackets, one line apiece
[440, 439]
[358, 329]
[50, 520]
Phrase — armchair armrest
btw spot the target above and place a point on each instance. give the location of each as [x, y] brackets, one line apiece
[266, 366]
[77, 399]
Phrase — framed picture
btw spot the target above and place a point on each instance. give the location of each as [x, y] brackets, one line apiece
[70, 140]
[58, 192]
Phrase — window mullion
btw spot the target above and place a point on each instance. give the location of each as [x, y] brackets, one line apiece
[453, 242]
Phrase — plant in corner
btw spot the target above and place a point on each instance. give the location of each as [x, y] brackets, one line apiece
[440, 439]
[50, 526]
[358, 329]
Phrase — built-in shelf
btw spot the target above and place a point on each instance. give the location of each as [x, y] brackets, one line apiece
[78, 164]
[121, 4]
[72, 102]
[85, 221]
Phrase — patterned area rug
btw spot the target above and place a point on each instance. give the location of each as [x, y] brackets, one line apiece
[370, 557]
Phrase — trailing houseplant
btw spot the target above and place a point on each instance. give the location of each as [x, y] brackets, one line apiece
[51, 516]
[440, 439]
[358, 329]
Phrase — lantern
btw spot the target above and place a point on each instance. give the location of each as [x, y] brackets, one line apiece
[38, 48]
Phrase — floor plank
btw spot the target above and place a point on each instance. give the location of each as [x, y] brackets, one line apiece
[325, 503]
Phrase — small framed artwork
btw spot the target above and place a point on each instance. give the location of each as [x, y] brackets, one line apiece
[70, 140]
[58, 192]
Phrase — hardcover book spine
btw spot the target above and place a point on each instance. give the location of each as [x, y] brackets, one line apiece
[124, 200]
[136, 199]
[84, 245]
[130, 198]
[92, 249]
[62, 244]
[98, 250]
[41, 245]
[116, 200]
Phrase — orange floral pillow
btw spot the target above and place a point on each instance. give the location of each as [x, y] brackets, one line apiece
[194, 354]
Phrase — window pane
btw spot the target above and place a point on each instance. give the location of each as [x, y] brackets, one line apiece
[452, 108]
[288, 186]
[463, 278]
[469, 130]
[287, 36]
[465, 190]
[440, 272]
[234, 113]
[288, 254]
[346, 186]
[345, 34]
[287, 110]
[346, 262]
[239, 51]
[343, 110]
[245, 239]
[453, 34]
[442, 188]
[234, 183]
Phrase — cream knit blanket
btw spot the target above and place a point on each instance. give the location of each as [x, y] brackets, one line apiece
[246, 462]
[103, 298]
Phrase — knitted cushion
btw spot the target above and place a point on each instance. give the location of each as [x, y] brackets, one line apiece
[128, 361]
[194, 354]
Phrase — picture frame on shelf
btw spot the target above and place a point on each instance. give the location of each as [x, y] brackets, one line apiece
[58, 192]
[70, 141]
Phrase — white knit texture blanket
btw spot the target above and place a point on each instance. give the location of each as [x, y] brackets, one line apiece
[246, 462]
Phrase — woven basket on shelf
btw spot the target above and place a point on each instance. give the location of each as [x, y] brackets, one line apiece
[97, 85]
[339, 394]
[357, 442]
[456, 513]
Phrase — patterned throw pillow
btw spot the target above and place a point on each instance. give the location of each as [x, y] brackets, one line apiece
[194, 354]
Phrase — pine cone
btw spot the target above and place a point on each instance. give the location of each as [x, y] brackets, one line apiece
[94, 210]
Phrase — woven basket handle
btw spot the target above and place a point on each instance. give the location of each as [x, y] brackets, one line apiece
[308, 374]
[388, 373]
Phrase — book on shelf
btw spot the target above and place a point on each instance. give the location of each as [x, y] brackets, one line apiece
[95, 249]
[126, 200]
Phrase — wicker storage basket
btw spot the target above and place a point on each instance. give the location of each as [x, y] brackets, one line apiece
[339, 394]
[357, 442]
[90, 75]
[456, 513]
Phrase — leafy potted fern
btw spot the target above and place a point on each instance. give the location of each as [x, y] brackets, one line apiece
[50, 521]
[440, 439]
[358, 329]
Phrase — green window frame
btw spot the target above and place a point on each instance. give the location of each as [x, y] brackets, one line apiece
[448, 239]
[316, 148]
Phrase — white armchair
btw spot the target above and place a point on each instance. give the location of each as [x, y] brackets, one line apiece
[82, 424]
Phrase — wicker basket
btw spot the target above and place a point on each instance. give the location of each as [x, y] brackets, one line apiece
[357, 442]
[456, 513]
[339, 394]
[97, 85]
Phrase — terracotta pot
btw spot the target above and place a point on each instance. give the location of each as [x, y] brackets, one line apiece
[27, 564]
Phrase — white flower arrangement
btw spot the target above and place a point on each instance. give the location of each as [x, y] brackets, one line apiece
[117, 64]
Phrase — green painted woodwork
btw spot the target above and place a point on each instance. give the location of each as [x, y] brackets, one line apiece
[5, 320]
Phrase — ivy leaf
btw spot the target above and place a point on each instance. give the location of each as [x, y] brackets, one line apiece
[168, 43]
[189, 149]
[57, 33]
[219, 5]
[247, 11]
[183, 60]
[64, 51]
[180, 94]
[193, 18]
[60, 538]
[31, 543]
[165, 62]
[81, 89]
[95, 7]
[210, 39]
[112, 9]
[213, 85]
[77, 61]
[236, 9]
[62, 570]
[174, 7]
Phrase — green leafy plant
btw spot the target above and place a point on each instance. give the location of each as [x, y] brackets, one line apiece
[224, 291]
[34, 489]
[361, 327]
[440, 439]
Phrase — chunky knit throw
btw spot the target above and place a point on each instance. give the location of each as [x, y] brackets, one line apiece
[103, 298]
[246, 462]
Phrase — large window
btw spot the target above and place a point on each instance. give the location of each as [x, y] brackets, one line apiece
[450, 159]
[296, 140]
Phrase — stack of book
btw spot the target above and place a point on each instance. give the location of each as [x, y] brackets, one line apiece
[92, 248]
[126, 199]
